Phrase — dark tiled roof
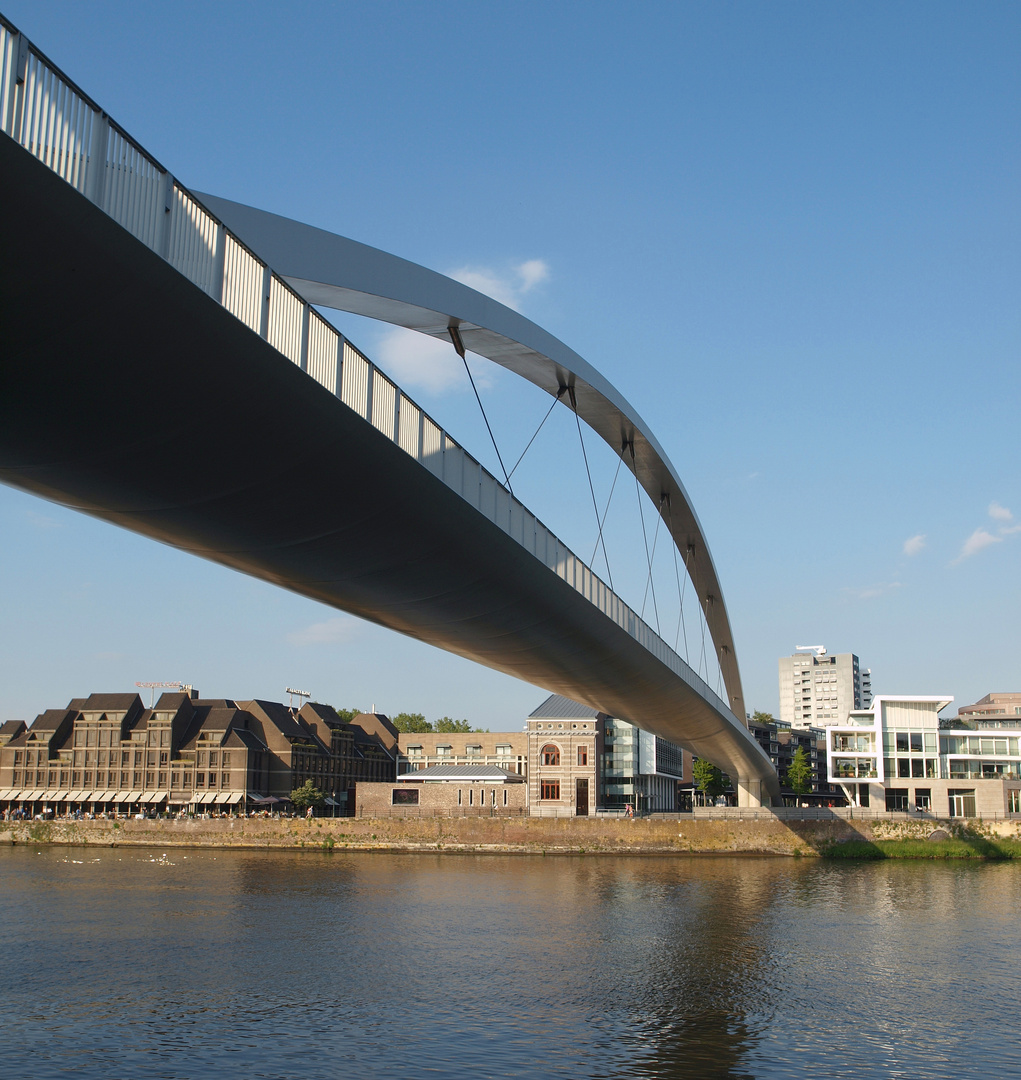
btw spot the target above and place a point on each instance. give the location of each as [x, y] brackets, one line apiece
[219, 719]
[558, 707]
[281, 716]
[326, 713]
[110, 702]
[50, 720]
[241, 737]
[10, 728]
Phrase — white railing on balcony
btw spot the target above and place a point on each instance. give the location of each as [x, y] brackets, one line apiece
[61, 126]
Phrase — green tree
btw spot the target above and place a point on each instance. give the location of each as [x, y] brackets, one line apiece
[307, 795]
[708, 779]
[447, 726]
[761, 717]
[411, 722]
[799, 773]
[347, 715]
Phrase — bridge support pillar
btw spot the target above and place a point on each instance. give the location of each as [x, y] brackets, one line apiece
[749, 793]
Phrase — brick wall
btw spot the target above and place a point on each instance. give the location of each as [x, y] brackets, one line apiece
[440, 799]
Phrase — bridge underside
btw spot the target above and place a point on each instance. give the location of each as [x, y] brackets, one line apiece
[127, 393]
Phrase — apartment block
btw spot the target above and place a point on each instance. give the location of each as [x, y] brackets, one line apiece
[817, 689]
[108, 753]
[896, 756]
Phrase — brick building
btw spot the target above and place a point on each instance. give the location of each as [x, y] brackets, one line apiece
[444, 790]
[108, 752]
[504, 749]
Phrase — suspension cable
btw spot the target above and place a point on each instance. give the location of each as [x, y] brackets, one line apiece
[560, 394]
[645, 535]
[680, 588]
[620, 461]
[650, 581]
[455, 337]
[591, 487]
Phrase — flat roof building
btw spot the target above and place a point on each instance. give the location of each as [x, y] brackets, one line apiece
[896, 756]
[817, 689]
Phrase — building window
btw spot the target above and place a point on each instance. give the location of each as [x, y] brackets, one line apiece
[582, 755]
[549, 789]
[903, 765]
[473, 750]
[225, 780]
[458, 796]
[551, 756]
[482, 796]
[175, 780]
[1014, 801]
[404, 796]
[200, 779]
[962, 803]
[923, 799]
[414, 751]
[444, 751]
[505, 796]
[896, 799]
[504, 750]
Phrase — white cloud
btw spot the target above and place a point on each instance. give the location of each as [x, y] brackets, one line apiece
[532, 272]
[332, 631]
[1009, 530]
[978, 540]
[914, 544]
[508, 288]
[999, 513]
[870, 592]
[417, 361]
[41, 521]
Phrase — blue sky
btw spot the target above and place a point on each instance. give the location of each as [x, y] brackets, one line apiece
[788, 233]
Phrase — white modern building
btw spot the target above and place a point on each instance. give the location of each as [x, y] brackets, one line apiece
[817, 689]
[895, 756]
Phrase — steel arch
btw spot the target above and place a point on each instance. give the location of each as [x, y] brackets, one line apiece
[336, 272]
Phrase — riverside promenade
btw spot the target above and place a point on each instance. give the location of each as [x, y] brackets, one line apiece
[762, 835]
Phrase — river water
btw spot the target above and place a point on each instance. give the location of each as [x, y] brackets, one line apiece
[134, 963]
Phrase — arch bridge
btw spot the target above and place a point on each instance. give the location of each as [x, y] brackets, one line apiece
[281, 450]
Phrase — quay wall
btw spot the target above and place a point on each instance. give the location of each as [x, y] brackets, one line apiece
[651, 836]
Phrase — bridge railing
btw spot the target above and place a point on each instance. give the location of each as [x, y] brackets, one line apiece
[55, 121]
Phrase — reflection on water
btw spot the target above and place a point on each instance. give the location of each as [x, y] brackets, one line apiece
[263, 964]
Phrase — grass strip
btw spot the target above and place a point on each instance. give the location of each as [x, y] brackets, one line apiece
[967, 847]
